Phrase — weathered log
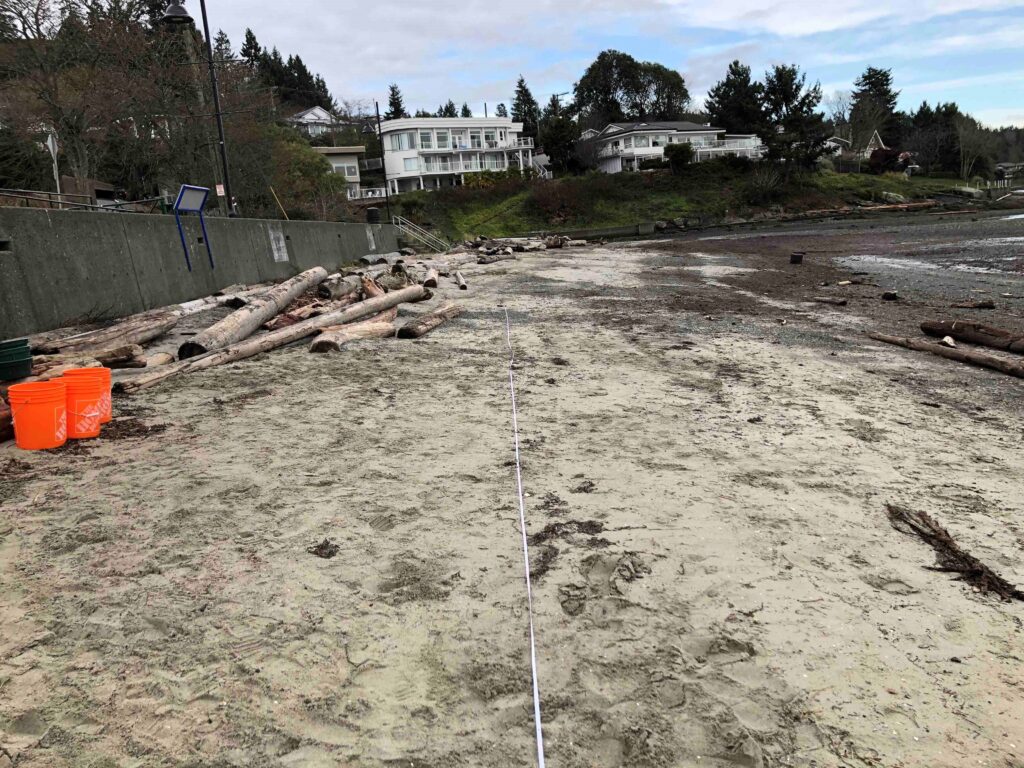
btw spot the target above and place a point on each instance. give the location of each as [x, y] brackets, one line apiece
[371, 288]
[1010, 367]
[461, 281]
[423, 325]
[272, 340]
[430, 281]
[332, 341]
[160, 358]
[829, 300]
[135, 362]
[976, 333]
[137, 330]
[491, 258]
[983, 304]
[242, 322]
[109, 357]
[336, 286]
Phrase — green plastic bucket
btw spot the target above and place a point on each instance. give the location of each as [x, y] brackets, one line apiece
[15, 355]
[17, 369]
[13, 344]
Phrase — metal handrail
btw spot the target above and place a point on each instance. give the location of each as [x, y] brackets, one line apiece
[427, 238]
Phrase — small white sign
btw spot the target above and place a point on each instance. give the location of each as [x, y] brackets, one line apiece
[220, 190]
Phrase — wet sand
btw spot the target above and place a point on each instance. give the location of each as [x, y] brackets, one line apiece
[707, 456]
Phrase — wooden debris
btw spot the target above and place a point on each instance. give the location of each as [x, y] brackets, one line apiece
[984, 304]
[890, 296]
[828, 300]
[160, 358]
[136, 330]
[336, 286]
[1010, 367]
[272, 340]
[430, 281]
[976, 333]
[423, 325]
[948, 554]
[492, 258]
[333, 341]
[461, 281]
[110, 357]
[243, 322]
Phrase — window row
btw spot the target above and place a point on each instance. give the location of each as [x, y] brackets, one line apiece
[461, 138]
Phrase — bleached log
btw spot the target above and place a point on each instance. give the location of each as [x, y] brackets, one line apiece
[1010, 367]
[334, 340]
[461, 281]
[976, 333]
[430, 281]
[425, 324]
[336, 286]
[242, 322]
[109, 357]
[137, 330]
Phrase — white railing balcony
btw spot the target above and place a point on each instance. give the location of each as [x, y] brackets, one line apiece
[365, 193]
[432, 165]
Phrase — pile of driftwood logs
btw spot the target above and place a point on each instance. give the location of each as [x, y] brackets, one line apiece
[951, 331]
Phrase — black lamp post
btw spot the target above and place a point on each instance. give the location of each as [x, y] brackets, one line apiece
[176, 15]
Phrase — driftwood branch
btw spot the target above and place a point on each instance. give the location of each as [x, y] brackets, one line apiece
[948, 554]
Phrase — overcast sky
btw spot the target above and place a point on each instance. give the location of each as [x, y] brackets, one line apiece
[968, 51]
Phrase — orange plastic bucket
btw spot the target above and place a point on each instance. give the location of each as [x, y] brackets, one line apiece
[40, 414]
[103, 375]
[85, 401]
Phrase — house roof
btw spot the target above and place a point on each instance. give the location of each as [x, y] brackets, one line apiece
[357, 150]
[313, 113]
[668, 125]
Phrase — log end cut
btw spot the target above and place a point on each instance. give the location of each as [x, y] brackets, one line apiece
[191, 349]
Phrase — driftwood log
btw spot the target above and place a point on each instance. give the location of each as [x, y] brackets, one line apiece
[976, 333]
[983, 304]
[136, 330]
[110, 357]
[242, 322]
[1010, 367]
[491, 258]
[461, 281]
[425, 324]
[160, 358]
[271, 340]
[430, 281]
[829, 300]
[377, 327]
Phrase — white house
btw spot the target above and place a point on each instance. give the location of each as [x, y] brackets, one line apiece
[315, 121]
[623, 146]
[436, 152]
[345, 160]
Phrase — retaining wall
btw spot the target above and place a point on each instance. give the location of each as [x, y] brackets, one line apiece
[60, 267]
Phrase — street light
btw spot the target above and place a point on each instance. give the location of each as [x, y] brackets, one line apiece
[177, 16]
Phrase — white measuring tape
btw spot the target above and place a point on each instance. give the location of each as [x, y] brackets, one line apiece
[526, 552]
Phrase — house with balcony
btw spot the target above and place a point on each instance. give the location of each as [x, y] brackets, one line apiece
[624, 146]
[346, 161]
[438, 152]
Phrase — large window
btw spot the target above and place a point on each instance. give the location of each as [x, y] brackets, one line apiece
[474, 139]
[425, 142]
[491, 137]
[412, 163]
[641, 141]
[628, 142]
[352, 171]
[459, 140]
[442, 139]
[657, 141]
[402, 141]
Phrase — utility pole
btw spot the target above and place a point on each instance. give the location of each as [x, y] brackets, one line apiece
[383, 165]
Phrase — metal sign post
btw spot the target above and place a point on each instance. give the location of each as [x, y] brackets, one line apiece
[192, 200]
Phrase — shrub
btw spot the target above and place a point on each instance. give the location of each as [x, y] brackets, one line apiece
[764, 185]
[652, 164]
[679, 156]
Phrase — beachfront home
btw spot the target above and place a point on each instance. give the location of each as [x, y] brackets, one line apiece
[624, 146]
[345, 160]
[436, 152]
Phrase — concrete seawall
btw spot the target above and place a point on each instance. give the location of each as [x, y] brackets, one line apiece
[59, 267]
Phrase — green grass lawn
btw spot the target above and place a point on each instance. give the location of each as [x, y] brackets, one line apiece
[712, 191]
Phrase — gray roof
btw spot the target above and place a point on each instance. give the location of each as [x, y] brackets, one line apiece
[671, 125]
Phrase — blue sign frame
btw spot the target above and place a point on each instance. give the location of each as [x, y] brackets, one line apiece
[192, 200]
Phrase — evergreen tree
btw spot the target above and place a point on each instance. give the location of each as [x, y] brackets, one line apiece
[617, 87]
[501, 110]
[222, 53]
[873, 107]
[424, 113]
[525, 109]
[797, 131]
[396, 104]
[735, 103]
[465, 111]
[558, 135]
[252, 52]
[448, 110]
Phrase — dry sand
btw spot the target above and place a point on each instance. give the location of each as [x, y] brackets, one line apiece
[716, 581]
